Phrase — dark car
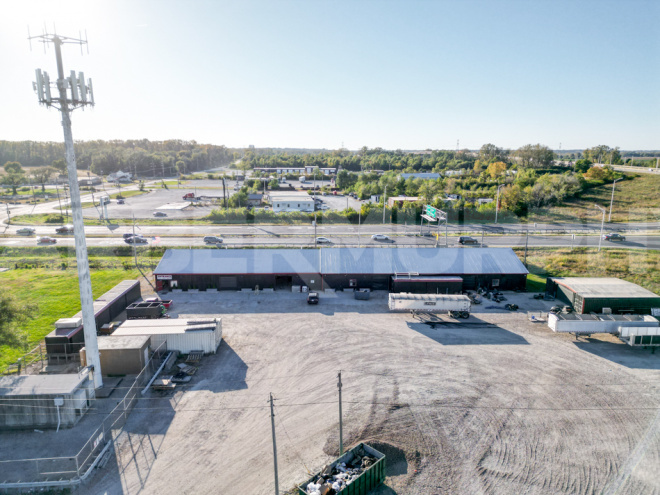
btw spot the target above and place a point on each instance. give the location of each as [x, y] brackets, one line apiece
[126, 236]
[313, 298]
[614, 237]
[136, 239]
[121, 202]
[467, 240]
[64, 229]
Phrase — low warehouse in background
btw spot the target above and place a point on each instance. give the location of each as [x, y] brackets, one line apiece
[600, 295]
[121, 355]
[397, 269]
[181, 334]
[44, 401]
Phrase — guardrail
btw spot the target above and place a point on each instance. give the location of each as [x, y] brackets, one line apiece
[25, 474]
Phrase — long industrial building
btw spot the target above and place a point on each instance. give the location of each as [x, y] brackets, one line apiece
[421, 270]
[599, 295]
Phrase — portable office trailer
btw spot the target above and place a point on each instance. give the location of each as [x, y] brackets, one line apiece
[33, 401]
[121, 355]
[640, 336]
[592, 295]
[432, 303]
[369, 479]
[181, 334]
[603, 323]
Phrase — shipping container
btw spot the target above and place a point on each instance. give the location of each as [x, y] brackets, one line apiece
[431, 303]
[182, 335]
[370, 478]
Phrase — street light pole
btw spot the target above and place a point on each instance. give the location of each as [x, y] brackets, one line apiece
[602, 224]
[612, 200]
[497, 204]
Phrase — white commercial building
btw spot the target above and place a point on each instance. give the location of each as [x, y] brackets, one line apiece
[291, 201]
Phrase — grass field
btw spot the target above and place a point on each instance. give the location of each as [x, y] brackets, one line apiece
[635, 200]
[638, 266]
[56, 293]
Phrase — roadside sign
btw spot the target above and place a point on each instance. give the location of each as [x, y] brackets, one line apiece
[430, 219]
[431, 211]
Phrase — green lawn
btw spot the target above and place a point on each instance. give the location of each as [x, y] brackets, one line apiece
[635, 200]
[57, 295]
[639, 266]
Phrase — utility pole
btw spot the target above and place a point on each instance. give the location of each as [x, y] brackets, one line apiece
[526, 243]
[341, 424]
[602, 224]
[272, 423]
[612, 200]
[384, 203]
[81, 95]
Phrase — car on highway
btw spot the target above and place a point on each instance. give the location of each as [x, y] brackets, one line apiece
[212, 239]
[323, 240]
[46, 240]
[121, 202]
[381, 237]
[160, 214]
[136, 239]
[64, 229]
[324, 207]
[613, 237]
[126, 236]
[464, 240]
[25, 231]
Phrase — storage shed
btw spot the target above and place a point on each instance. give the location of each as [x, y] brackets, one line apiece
[338, 268]
[181, 334]
[33, 401]
[125, 355]
[593, 295]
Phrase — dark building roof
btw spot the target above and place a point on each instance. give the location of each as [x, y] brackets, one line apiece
[330, 261]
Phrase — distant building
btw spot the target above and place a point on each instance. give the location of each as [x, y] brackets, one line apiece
[91, 181]
[295, 170]
[451, 173]
[120, 176]
[421, 175]
[254, 199]
[482, 201]
[399, 200]
[453, 197]
[291, 201]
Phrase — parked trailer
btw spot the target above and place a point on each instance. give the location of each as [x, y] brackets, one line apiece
[640, 336]
[145, 310]
[458, 306]
[370, 478]
[580, 324]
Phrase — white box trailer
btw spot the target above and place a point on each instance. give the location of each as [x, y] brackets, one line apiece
[181, 334]
[454, 304]
[644, 336]
[603, 323]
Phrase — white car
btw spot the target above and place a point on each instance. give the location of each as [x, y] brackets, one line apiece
[323, 240]
[381, 237]
[324, 207]
[25, 231]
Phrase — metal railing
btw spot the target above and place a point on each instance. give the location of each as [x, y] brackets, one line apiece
[70, 470]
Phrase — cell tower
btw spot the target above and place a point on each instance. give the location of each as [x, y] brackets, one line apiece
[73, 92]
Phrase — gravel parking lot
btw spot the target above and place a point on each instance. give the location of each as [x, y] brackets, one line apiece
[492, 404]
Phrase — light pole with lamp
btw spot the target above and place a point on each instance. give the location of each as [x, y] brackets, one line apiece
[497, 204]
[602, 224]
[612, 200]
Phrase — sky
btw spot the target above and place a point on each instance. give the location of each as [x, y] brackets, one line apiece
[326, 74]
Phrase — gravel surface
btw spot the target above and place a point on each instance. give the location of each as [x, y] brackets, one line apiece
[492, 404]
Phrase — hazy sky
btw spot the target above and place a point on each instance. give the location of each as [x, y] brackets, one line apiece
[394, 74]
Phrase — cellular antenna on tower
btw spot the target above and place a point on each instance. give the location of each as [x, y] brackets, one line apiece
[70, 93]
